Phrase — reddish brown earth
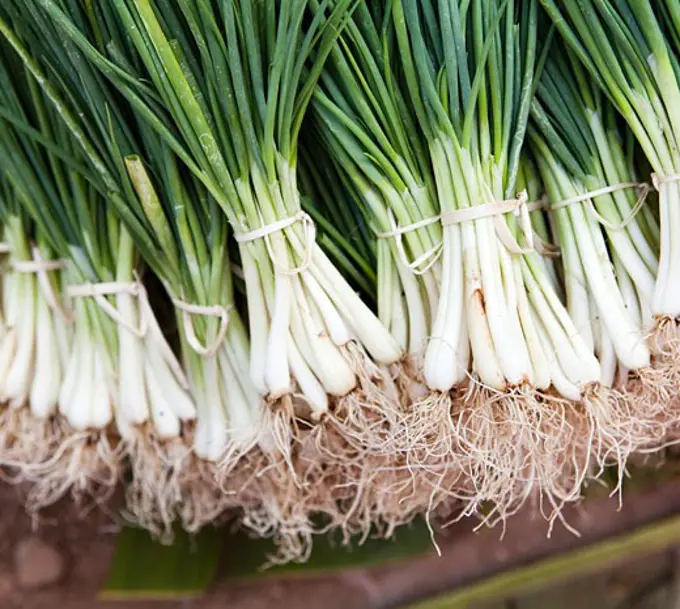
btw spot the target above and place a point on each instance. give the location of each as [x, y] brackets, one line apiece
[77, 552]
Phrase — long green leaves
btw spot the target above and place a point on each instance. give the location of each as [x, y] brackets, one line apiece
[476, 88]
[615, 42]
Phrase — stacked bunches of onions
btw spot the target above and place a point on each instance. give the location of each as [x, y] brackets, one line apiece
[631, 51]
[315, 346]
[109, 385]
[437, 315]
[609, 241]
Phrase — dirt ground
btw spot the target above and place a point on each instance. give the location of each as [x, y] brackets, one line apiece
[84, 549]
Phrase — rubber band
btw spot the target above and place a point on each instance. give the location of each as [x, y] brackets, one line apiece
[519, 207]
[189, 309]
[397, 232]
[659, 180]
[99, 291]
[265, 232]
[37, 265]
[588, 197]
[40, 267]
[543, 247]
[408, 228]
[47, 289]
[496, 209]
[540, 204]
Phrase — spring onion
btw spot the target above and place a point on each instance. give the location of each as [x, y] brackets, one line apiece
[630, 49]
[120, 375]
[608, 250]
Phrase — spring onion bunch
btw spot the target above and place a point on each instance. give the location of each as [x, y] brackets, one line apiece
[362, 116]
[173, 220]
[378, 491]
[213, 339]
[630, 49]
[173, 475]
[608, 244]
[35, 333]
[222, 89]
[82, 403]
[368, 128]
[470, 71]
[121, 380]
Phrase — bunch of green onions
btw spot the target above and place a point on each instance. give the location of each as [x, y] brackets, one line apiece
[434, 314]
[608, 240]
[122, 391]
[312, 338]
[501, 334]
[369, 130]
[631, 51]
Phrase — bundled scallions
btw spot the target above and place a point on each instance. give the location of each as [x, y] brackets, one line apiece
[379, 491]
[608, 240]
[228, 98]
[35, 334]
[389, 305]
[121, 379]
[470, 75]
[40, 184]
[362, 116]
[213, 339]
[631, 50]
[365, 123]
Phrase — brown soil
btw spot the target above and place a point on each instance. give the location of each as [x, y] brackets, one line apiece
[86, 543]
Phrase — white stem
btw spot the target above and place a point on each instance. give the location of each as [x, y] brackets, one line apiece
[259, 321]
[485, 360]
[575, 280]
[8, 297]
[48, 364]
[327, 362]
[102, 394]
[560, 382]
[498, 294]
[627, 338]
[607, 357]
[441, 357]
[666, 300]
[18, 383]
[211, 424]
[539, 359]
[73, 366]
[463, 351]
[366, 326]
[332, 320]
[176, 396]
[277, 370]
[165, 422]
[576, 359]
[77, 392]
[417, 313]
[155, 342]
[132, 396]
[311, 388]
[241, 412]
[387, 276]
[398, 323]
[8, 348]
[638, 308]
